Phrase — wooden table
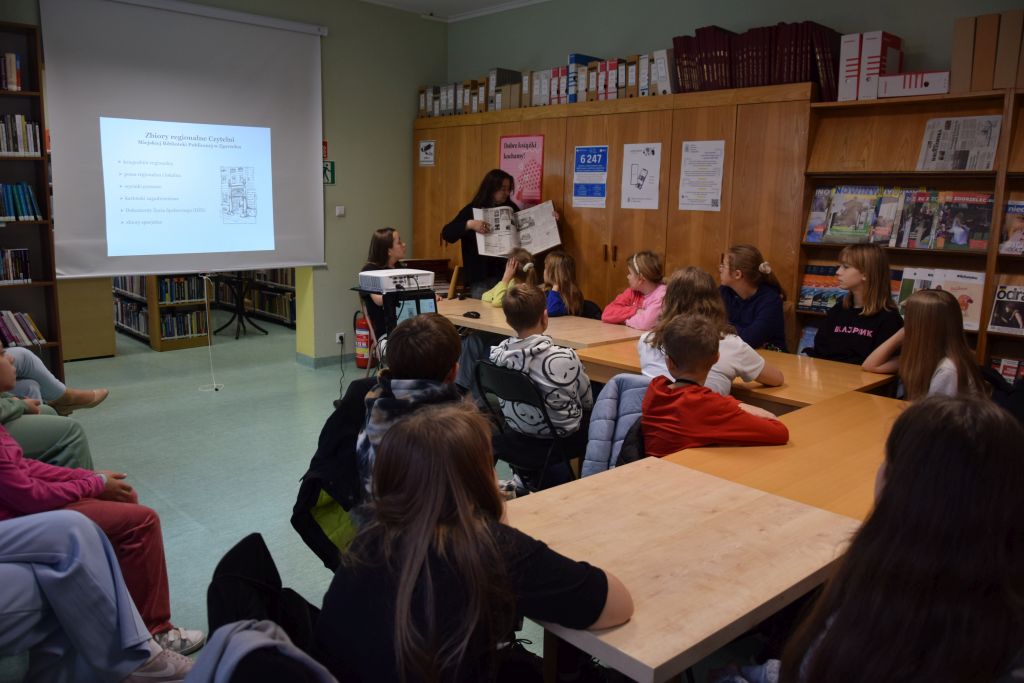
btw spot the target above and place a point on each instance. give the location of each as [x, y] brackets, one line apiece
[570, 330]
[834, 450]
[807, 380]
[705, 559]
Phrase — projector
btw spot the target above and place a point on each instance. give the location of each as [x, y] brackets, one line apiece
[395, 280]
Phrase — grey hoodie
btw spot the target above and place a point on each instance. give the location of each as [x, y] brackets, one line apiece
[557, 372]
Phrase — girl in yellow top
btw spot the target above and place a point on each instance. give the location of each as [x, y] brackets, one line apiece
[519, 269]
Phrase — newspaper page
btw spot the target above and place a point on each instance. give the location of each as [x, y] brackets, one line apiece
[502, 237]
[966, 143]
[538, 230]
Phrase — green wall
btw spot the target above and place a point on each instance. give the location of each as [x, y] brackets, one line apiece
[541, 35]
[374, 59]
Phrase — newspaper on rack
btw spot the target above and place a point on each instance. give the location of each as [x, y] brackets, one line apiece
[533, 229]
[965, 143]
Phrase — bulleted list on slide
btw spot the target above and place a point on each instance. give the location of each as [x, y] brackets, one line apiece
[186, 188]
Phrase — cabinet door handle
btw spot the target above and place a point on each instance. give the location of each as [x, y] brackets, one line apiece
[606, 253]
[615, 253]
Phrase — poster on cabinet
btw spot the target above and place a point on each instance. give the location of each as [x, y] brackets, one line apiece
[700, 179]
[522, 157]
[641, 170]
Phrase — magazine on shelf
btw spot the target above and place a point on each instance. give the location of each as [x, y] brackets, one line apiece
[967, 287]
[965, 219]
[1008, 310]
[890, 201]
[965, 143]
[852, 214]
[533, 229]
[816, 219]
[1011, 369]
[1011, 241]
[917, 220]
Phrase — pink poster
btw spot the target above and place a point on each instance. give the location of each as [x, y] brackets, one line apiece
[522, 157]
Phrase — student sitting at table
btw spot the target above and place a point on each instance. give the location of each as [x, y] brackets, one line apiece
[435, 580]
[563, 294]
[753, 297]
[684, 413]
[640, 304]
[930, 353]
[866, 316]
[422, 362]
[693, 291]
[555, 370]
[930, 587]
[519, 269]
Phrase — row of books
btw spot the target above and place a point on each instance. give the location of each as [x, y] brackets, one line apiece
[275, 304]
[130, 284]
[1011, 369]
[19, 137]
[18, 329]
[18, 203]
[907, 218]
[180, 325]
[284, 277]
[10, 72]
[180, 289]
[132, 316]
[712, 59]
[14, 266]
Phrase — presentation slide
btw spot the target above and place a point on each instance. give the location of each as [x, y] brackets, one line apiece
[186, 188]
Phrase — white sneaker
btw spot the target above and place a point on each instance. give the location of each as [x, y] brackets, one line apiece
[180, 640]
[166, 667]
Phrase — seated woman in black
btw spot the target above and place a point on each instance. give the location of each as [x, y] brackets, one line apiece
[435, 579]
[480, 273]
[386, 251]
[866, 316]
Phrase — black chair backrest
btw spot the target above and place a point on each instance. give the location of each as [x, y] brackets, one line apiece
[510, 385]
[590, 310]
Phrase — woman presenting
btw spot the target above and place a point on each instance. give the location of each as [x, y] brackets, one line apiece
[480, 273]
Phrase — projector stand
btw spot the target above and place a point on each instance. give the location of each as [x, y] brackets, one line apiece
[240, 285]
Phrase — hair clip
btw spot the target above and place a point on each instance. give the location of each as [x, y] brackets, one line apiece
[528, 267]
[765, 268]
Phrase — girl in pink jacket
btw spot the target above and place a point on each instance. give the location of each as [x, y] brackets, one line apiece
[640, 305]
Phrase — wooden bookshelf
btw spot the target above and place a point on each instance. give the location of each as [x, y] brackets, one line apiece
[38, 298]
[134, 311]
[877, 142]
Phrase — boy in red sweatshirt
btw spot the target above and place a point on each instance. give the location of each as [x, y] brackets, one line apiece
[29, 486]
[684, 413]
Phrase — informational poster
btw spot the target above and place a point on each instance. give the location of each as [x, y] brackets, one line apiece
[590, 177]
[522, 157]
[641, 170]
[428, 151]
[700, 182]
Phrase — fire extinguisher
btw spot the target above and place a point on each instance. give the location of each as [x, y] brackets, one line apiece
[362, 333]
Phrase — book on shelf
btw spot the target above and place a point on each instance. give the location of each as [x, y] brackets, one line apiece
[963, 143]
[18, 202]
[130, 284]
[10, 72]
[1011, 369]
[132, 315]
[967, 287]
[1011, 239]
[14, 266]
[180, 289]
[533, 229]
[1008, 310]
[19, 136]
[905, 218]
[18, 329]
[179, 325]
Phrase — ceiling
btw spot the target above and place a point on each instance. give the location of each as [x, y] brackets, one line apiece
[454, 10]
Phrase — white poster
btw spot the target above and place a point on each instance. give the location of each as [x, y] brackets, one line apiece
[700, 182]
[590, 177]
[428, 149]
[641, 166]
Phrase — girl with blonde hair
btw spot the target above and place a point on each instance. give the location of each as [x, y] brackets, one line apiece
[563, 294]
[519, 269]
[640, 304]
[866, 316]
[933, 355]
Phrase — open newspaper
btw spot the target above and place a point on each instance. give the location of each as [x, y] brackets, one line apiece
[533, 229]
[964, 143]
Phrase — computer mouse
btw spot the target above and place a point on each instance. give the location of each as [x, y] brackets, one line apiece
[471, 314]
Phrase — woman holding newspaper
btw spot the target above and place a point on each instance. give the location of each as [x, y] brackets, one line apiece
[493, 215]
